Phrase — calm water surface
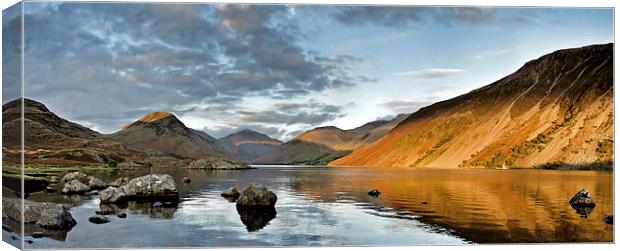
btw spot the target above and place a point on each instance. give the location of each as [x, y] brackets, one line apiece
[329, 206]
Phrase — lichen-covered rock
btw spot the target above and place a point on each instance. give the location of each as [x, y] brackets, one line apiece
[119, 182]
[151, 186]
[45, 215]
[74, 176]
[112, 195]
[255, 195]
[96, 184]
[583, 198]
[75, 187]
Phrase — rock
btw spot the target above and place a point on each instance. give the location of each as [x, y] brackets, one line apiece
[186, 180]
[119, 182]
[50, 189]
[217, 164]
[45, 215]
[54, 179]
[75, 187]
[609, 219]
[583, 198]
[374, 193]
[103, 212]
[98, 219]
[121, 215]
[255, 195]
[157, 204]
[74, 176]
[232, 194]
[96, 184]
[152, 186]
[112, 195]
[38, 235]
[29, 241]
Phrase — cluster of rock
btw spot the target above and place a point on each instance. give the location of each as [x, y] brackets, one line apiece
[255, 205]
[147, 187]
[79, 183]
[217, 164]
[45, 215]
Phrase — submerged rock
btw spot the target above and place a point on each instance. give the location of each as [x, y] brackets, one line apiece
[232, 194]
[45, 215]
[255, 195]
[75, 187]
[583, 198]
[98, 219]
[374, 193]
[609, 219]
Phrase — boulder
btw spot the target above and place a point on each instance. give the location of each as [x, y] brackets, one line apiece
[112, 195]
[255, 195]
[96, 184]
[151, 186]
[583, 198]
[74, 176]
[45, 215]
[75, 187]
[374, 193]
[119, 182]
[98, 219]
[232, 194]
[147, 187]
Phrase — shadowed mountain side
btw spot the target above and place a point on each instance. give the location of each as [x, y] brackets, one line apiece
[163, 133]
[248, 145]
[324, 144]
[557, 109]
[53, 140]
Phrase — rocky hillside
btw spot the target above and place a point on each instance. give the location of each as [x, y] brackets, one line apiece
[54, 140]
[554, 111]
[248, 145]
[324, 144]
[162, 133]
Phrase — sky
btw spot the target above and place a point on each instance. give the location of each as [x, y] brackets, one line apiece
[275, 69]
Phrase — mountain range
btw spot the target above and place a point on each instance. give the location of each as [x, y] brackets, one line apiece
[554, 111]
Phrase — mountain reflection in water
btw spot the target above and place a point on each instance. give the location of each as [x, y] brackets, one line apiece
[330, 206]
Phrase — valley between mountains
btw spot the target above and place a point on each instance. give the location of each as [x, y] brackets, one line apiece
[554, 112]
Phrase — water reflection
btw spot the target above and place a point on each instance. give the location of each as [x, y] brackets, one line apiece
[154, 210]
[256, 218]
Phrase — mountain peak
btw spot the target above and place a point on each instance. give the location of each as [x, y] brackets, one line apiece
[152, 117]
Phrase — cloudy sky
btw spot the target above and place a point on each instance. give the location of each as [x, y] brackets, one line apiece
[276, 69]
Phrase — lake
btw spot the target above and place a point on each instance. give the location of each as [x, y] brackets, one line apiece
[320, 206]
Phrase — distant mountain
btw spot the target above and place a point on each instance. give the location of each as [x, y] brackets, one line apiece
[248, 145]
[164, 133]
[554, 111]
[51, 139]
[324, 144]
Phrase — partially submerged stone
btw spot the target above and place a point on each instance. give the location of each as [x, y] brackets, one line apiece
[147, 187]
[98, 219]
[45, 215]
[583, 198]
[256, 195]
[374, 193]
[232, 194]
[75, 187]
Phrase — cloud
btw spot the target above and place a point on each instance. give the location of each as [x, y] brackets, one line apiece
[116, 60]
[308, 114]
[407, 106]
[487, 54]
[393, 16]
[430, 72]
